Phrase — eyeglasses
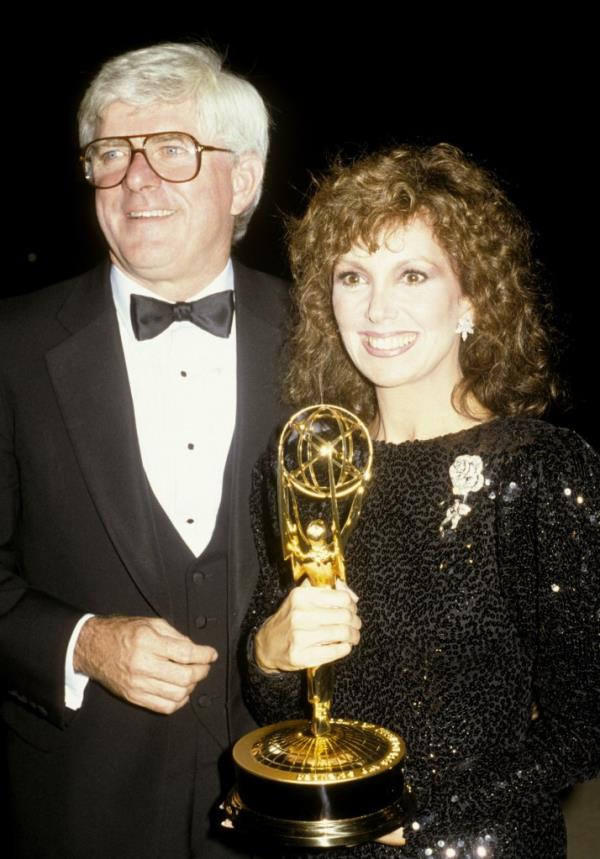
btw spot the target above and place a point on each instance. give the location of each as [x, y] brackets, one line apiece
[173, 155]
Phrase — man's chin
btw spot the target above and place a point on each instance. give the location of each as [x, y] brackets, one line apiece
[150, 267]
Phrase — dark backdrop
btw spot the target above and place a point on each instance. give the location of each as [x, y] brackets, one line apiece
[515, 95]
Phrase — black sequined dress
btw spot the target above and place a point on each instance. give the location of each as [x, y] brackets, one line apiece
[476, 561]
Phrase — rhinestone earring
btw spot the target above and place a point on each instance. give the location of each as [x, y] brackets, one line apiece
[465, 326]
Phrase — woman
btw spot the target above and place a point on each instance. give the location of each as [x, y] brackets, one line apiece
[476, 557]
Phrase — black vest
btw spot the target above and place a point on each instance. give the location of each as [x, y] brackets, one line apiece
[198, 590]
[199, 766]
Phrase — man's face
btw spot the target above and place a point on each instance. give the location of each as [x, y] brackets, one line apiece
[172, 237]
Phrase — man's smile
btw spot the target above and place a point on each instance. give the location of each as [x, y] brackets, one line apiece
[150, 213]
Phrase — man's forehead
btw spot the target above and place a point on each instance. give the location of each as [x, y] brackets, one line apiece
[121, 118]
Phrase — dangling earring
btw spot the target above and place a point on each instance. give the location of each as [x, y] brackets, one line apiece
[320, 383]
[465, 326]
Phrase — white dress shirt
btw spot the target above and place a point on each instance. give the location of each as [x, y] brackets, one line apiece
[183, 387]
[184, 397]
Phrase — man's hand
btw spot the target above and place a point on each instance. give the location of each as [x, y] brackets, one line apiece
[311, 627]
[143, 660]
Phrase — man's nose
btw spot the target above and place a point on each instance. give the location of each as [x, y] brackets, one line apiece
[139, 173]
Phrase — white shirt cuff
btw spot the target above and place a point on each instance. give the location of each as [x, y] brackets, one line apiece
[75, 681]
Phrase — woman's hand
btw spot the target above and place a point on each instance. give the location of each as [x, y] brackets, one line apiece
[311, 627]
[394, 839]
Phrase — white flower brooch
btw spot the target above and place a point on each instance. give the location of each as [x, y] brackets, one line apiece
[466, 474]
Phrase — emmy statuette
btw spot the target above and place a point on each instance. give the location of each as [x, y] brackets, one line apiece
[323, 782]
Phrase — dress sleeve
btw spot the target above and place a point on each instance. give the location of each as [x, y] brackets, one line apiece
[270, 697]
[562, 744]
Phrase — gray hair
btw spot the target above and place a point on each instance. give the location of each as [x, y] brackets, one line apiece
[230, 110]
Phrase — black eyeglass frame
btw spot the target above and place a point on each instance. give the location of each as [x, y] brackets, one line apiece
[133, 150]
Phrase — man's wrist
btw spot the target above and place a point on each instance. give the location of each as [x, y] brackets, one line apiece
[75, 680]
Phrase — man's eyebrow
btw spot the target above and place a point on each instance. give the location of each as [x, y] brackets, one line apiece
[108, 140]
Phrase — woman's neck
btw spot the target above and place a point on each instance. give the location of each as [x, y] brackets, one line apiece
[406, 418]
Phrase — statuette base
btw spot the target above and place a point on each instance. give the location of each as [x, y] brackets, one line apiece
[341, 788]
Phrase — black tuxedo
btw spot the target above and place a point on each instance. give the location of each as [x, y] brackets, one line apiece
[78, 533]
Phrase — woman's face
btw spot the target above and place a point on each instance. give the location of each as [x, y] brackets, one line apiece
[397, 310]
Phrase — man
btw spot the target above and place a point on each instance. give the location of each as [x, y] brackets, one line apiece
[130, 418]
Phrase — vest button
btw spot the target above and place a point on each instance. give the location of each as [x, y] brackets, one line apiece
[203, 700]
[201, 621]
[198, 578]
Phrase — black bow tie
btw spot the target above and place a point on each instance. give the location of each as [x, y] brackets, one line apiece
[150, 316]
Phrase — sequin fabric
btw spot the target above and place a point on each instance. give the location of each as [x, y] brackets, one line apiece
[480, 632]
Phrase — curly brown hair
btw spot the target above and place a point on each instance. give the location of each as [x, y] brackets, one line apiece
[506, 362]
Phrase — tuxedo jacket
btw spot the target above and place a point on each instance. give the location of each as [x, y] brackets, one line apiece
[77, 535]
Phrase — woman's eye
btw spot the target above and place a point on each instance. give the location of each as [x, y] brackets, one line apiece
[349, 278]
[413, 278]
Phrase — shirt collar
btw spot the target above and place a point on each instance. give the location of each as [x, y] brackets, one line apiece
[123, 287]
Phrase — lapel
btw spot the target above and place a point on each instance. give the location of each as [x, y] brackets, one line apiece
[89, 376]
[258, 321]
